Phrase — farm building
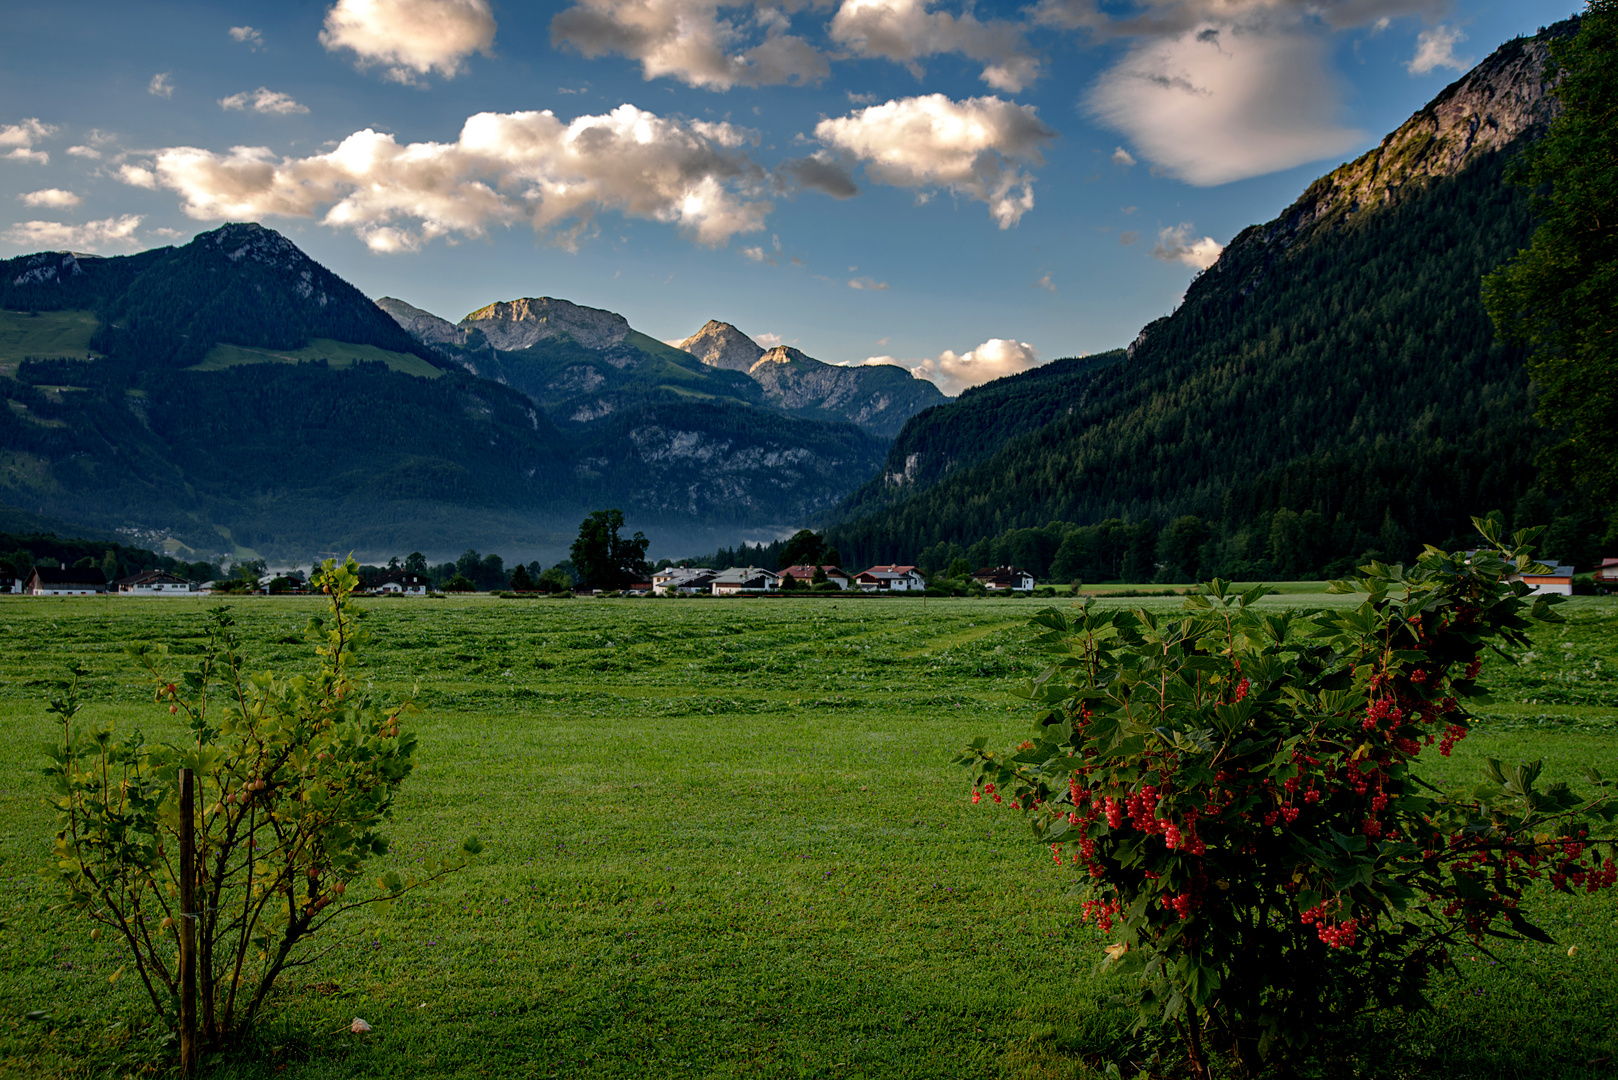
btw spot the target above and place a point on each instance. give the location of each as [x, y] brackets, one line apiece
[401, 583]
[683, 580]
[1559, 580]
[1004, 578]
[740, 580]
[153, 583]
[50, 581]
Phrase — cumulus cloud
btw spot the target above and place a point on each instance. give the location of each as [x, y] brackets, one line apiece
[1217, 105]
[504, 168]
[263, 100]
[1121, 156]
[91, 236]
[954, 372]
[1435, 48]
[253, 39]
[769, 341]
[974, 147]
[160, 86]
[1176, 245]
[759, 255]
[410, 38]
[908, 31]
[1046, 283]
[690, 41]
[55, 197]
[22, 136]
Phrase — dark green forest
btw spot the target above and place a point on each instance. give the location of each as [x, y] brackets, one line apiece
[1304, 408]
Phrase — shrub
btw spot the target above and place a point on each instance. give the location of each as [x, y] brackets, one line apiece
[294, 778]
[1236, 790]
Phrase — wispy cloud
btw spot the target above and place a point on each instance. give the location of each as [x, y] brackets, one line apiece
[91, 236]
[248, 36]
[263, 100]
[161, 86]
[868, 283]
[1435, 48]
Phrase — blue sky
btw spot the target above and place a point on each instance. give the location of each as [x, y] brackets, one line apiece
[966, 189]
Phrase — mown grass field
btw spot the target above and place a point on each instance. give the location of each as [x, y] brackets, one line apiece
[726, 840]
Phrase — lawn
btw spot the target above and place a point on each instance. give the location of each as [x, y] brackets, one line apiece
[726, 840]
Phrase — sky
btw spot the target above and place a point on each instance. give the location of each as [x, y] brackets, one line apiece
[968, 190]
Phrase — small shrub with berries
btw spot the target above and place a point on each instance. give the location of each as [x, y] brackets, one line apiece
[294, 780]
[1237, 791]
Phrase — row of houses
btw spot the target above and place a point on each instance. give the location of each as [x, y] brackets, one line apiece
[739, 580]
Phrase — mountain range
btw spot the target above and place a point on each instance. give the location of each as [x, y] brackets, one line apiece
[1330, 388]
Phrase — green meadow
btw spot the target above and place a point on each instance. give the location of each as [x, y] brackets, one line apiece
[726, 840]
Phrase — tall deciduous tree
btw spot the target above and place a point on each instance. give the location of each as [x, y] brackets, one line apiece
[605, 559]
[1559, 296]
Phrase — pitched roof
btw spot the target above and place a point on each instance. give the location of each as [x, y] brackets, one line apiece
[804, 572]
[151, 577]
[51, 575]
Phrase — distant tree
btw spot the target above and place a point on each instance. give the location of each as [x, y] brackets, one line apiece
[1180, 548]
[491, 573]
[555, 580]
[788, 581]
[805, 547]
[459, 583]
[393, 562]
[959, 568]
[832, 557]
[469, 564]
[520, 581]
[605, 559]
[819, 576]
[1559, 296]
[415, 563]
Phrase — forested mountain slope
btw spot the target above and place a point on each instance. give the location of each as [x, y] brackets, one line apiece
[1336, 363]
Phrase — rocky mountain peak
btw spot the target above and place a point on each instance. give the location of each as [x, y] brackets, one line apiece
[250, 240]
[1504, 98]
[783, 354]
[511, 325]
[721, 345]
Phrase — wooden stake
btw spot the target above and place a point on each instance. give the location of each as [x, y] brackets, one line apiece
[188, 926]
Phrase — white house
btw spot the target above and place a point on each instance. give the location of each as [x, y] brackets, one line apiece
[739, 580]
[683, 579]
[1004, 579]
[890, 579]
[152, 583]
[50, 581]
[401, 583]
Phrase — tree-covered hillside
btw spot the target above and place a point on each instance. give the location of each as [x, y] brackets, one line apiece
[1358, 382]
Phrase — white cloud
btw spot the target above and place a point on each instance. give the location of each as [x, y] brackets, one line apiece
[1171, 18]
[1221, 103]
[253, 39]
[868, 283]
[38, 157]
[1176, 245]
[1046, 283]
[91, 236]
[84, 152]
[1435, 48]
[50, 197]
[768, 341]
[504, 168]
[689, 41]
[954, 372]
[411, 38]
[907, 31]
[160, 85]
[25, 133]
[135, 176]
[1121, 156]
[263, 100]
[971, 147]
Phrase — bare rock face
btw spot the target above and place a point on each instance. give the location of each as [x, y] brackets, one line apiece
[1505, 97]
[796, 381]
[424, 326]
[721, 345]
[511, 325]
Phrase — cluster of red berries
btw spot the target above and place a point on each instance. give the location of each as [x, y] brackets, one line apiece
[1180, 905]
[1241, 690]
[1102, 911]
[1337, 935]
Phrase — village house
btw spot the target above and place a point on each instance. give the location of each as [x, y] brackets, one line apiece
[153, 583]
[805, 575]
[741, 580]
[686, 580]
[1004, 579]
[890, 579]
[1559, 580]
[1606, 575]
[401, 583]
[50, 581]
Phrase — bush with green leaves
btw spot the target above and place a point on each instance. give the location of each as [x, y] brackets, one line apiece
[1237, 791]
[294, 780]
